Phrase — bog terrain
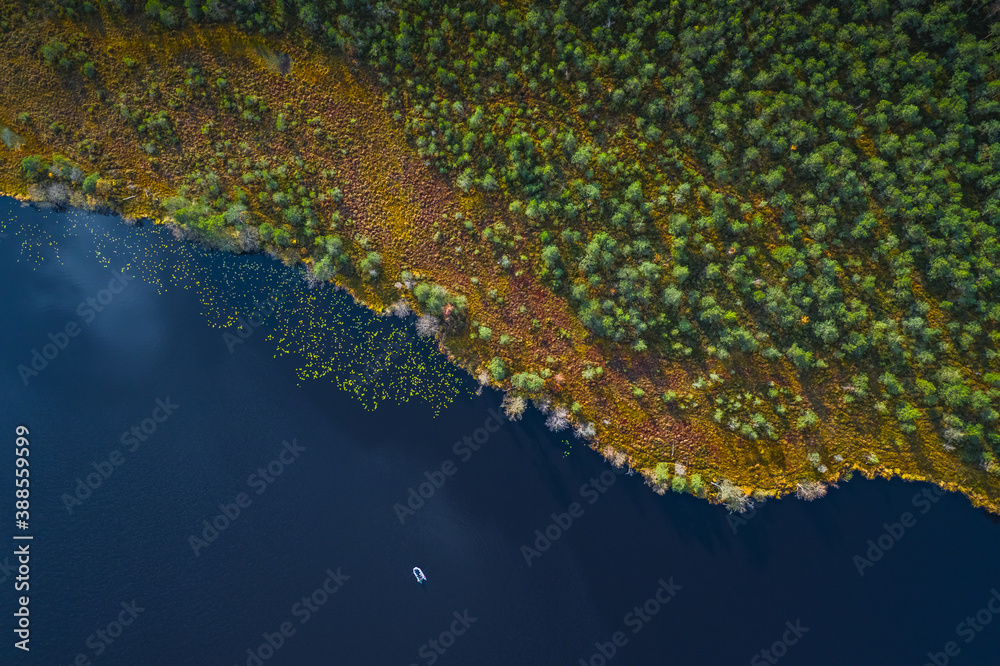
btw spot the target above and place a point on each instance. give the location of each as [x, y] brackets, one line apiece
[747, 249]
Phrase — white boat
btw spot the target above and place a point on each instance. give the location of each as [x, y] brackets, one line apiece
[419, 575]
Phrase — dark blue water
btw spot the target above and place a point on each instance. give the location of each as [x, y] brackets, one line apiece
[114, 577]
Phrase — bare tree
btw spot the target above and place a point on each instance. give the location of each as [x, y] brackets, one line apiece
[733, 496]
[428, 325]
[514, 406]
[810, 490]
[558, 420]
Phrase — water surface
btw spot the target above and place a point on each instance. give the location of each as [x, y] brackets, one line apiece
[362, 412]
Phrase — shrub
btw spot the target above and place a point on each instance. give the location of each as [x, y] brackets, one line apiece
[802, 359]
[293, 216]
[282, 238]
[436, 298]
[33, 167]
[496, 368]
[53, 51]
[61, 167]
[90, 183]
[907, 414]
[672, 297]
[890, 383]
[733, 496]
[527, 382]
[370, 265]
[333, 245]
[324, 269]
[807, 420]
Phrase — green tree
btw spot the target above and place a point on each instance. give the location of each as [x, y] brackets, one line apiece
[324, 269]
[496, 368]
[907, 414]
[891, 384]
[53, 51]
[33, 167]
[528, 382]
[90, 183]
[282, 237]
[807, 420]
[802, 358]
[370, 265]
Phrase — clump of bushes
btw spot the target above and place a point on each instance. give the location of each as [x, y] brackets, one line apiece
[33, 167]
[90, 183]
[438, 301]
[53, 51]
[527, 382]
[497, 369]
[735, 499]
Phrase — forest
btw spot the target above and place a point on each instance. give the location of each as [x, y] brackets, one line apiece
[805, 187]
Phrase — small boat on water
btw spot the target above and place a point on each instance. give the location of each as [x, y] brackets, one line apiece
[419, 575]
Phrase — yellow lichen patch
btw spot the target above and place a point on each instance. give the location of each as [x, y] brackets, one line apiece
[865, 143]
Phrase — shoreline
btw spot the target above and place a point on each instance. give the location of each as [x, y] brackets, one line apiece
[760, 495]
[273, 159]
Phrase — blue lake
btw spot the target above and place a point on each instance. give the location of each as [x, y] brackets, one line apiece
[206, 491]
